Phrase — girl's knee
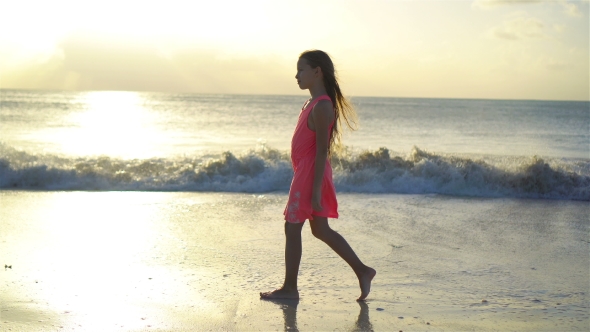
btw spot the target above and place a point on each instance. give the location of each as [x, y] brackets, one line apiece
[320, 228]
[318, 233]
[321, 232]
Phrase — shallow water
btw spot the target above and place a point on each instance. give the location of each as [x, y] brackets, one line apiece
[129, 260]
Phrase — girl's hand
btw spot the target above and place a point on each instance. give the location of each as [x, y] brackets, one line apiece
[316, 199]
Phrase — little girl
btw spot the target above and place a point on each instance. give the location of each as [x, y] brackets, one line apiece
[312, 195]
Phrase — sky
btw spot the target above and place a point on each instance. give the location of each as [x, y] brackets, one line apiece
[492, 49]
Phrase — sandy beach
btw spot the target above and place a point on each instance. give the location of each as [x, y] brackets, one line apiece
[173, 261]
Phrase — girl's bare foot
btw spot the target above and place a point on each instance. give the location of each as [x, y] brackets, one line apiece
[280, 293]
[365, 279]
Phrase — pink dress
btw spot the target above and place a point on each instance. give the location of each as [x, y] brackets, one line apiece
[303, 151]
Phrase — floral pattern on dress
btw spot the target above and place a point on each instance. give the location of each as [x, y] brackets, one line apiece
[293, 208]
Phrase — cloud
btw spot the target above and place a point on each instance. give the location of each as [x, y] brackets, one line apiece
[559, 27]
[519, 27]
[554, 65]
[109, 64]
[571, 9]
[488, 4]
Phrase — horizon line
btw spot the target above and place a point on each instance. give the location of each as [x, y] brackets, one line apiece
[280, 94]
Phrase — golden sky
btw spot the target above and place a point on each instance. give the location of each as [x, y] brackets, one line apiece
[497, 49]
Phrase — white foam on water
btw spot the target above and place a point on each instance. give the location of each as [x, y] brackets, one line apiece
[264, 169]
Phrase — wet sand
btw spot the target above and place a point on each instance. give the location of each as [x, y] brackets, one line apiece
[147, 261]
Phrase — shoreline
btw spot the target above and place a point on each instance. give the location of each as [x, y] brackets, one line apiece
[165, 261]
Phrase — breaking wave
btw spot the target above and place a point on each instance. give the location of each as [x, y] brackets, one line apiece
[265, 170]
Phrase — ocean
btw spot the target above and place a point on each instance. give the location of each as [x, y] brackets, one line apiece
[133, 211]
[143, 141]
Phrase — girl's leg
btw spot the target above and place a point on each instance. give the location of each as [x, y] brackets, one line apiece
[292, 260]
[321, 229]
[292, 254]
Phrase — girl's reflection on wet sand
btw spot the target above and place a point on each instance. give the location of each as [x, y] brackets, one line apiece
[289, 308]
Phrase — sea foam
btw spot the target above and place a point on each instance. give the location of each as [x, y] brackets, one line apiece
[264, 169]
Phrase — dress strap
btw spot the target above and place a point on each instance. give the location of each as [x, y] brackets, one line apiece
[315, 101]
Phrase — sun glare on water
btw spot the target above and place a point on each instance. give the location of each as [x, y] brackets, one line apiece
[112, 123]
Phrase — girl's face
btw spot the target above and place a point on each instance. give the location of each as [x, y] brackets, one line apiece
[306, 75]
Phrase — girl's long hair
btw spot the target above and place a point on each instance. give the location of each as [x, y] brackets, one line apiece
[343, 110]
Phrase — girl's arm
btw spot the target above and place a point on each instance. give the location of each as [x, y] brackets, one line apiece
[322, 116]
